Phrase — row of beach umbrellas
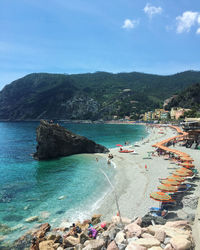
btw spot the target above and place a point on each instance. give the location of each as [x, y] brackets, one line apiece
[171, 184]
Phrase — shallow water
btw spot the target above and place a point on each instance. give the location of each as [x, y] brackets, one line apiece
[68, 188]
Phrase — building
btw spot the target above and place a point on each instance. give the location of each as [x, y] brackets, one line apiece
[176, 113]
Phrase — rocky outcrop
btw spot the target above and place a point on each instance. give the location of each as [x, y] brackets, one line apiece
[56, 141]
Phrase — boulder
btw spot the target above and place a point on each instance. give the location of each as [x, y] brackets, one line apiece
[47, 244]
[138, 221]
[55, 141]
[84, 236]
[155, 248]
[112, 246]
[71, 241]
[134, 246]
[95, 244]
[120, 237]
[146, 235]
[134, 229]
[168, 247]
[78, 247]
[148, 242]
[43, 229]
[160, 235]
[180, 243]
[183, 224]
[96, 219]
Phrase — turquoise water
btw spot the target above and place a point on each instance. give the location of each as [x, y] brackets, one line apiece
[68, 188]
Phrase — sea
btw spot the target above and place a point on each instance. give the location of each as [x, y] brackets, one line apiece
[56, 191]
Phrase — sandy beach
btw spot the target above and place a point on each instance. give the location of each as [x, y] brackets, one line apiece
[133, 183]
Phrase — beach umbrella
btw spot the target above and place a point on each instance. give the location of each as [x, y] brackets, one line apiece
[185, 170]
[176, 178]
[172, 182]
[168, 188]
[161, 196]
[186, 159]
[183, 174]
[119, 145]
[187, 165]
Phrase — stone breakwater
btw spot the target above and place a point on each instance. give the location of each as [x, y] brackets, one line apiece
[136, 234]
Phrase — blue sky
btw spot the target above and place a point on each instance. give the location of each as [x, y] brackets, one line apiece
[78, 36]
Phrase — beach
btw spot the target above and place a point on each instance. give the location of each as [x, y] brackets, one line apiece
[133, 182]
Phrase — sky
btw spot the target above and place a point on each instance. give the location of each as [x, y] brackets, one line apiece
[80, 36]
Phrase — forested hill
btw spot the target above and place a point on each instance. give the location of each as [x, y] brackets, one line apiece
[94, 96]
[188, 98]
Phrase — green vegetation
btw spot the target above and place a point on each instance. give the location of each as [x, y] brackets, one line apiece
[94, 96]
[188, 98]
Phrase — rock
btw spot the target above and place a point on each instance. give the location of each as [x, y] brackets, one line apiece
[56, 245]
[56, 141]
[84, 236]
[183, 224]
[180, 243]
[148, 242]
[134, 229]
[120, 237]
[168, 247]
[146, 220]
[112, 246]
[43, 229]
[176, 232]
[32, 218]
[56, 238]
[146, 235]
[96, 219]
[153, 229]
[78, 247]
[155, 248]
[121, 246]
[116, 220]
[71, 241]
[138, 221]
[95, 244]
[134, 246]
[160, 235]
[60, 248]
[47, 244]
[167, 240]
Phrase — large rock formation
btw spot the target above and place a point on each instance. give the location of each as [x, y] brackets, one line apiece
[56, 141]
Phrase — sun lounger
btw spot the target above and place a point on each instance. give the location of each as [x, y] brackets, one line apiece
[165, 205]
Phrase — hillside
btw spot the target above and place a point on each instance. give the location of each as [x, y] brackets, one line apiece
[188, 98]
[94, 96]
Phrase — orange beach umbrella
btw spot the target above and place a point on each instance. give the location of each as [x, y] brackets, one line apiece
[168, 188]
[172, 182]
[187, 165]
[176, 178]
[161, 196]
[183, 174]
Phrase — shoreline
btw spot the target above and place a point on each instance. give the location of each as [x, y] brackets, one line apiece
[133, 184]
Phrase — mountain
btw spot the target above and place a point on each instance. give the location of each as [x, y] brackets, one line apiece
[188, 98]
[93, 96]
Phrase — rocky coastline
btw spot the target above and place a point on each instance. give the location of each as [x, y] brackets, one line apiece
[139, 233]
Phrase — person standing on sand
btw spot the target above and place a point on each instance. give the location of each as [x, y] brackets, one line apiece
[146, 167]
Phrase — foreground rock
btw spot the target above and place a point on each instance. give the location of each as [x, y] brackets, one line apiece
[56, 141]
[173, 235]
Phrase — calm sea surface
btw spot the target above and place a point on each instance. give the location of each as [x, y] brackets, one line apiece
[68, 188]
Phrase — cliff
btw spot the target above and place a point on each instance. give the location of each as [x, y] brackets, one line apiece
[56, 141]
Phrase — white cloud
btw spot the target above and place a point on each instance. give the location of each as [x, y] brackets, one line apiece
[198, 31]
[151, 10]
[186, 21]
[130, 24]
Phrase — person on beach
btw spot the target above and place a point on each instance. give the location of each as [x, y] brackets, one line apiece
[146, 167]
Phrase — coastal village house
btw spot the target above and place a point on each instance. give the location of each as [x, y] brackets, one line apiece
[161, 114]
